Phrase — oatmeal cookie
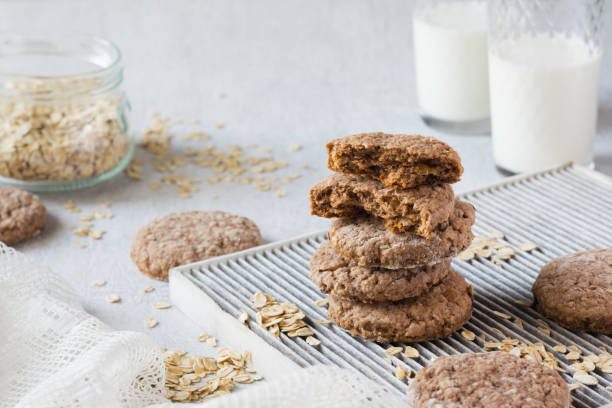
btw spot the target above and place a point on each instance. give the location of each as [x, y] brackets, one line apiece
[345, 279]
[488, 380]
[433, 315]
[190, 236]
[366, 242]
[401, 161]
[22, 215]
[419, 210]
[576, 291]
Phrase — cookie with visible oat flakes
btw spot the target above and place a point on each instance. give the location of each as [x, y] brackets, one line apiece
[420, 210]
[184, 237]
[334, 275]
[366, 242]
[22, 215]
[576, 291]
[487, 380]
[399, 160]
[435, 314]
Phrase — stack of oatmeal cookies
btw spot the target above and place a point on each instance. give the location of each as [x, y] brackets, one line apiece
[397, 225]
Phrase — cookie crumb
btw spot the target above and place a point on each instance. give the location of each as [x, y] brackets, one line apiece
[79, 245]
[113, 298]
[100, 282]
[219, 125]
[148, 289]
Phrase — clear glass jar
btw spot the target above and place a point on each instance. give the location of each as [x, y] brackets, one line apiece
[63, 114]
[450, 58]
[544, 63]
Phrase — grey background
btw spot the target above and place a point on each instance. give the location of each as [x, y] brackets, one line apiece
[293, 71]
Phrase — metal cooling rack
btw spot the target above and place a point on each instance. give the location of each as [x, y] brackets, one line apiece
[562, 210]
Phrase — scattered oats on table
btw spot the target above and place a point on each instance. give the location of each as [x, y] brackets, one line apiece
[100, 282]
[219, 125]
[294, 147]
[112, 298]
[210, 340]
[79, 245]
[148, 289]
[71, 206]
[161, 305]
[150, 322]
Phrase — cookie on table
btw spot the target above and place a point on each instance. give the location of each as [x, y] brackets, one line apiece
[22, 215]
[576, 291]
[335, 276]
[420, 210]
[400, 161]
[487, 380]
[366, 242]
[433, 315]
[184, 237]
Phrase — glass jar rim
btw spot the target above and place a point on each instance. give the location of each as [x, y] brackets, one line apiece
[103, 58]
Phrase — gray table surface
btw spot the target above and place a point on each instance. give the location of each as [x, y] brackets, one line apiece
[293, 71]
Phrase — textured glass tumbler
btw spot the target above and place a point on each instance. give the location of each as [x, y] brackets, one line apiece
[544, 63]
[450, 57]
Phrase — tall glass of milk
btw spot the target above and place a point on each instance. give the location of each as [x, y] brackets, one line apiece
[450, 56]
[544, 60]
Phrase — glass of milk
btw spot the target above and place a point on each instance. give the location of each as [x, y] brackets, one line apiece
[544, 61]
[450, 56]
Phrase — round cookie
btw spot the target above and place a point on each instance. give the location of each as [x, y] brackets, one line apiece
[181, 238]
[22, 215]
[576, 291]
[487, 380]
[433, 315]
[366, 242]
[345, 279]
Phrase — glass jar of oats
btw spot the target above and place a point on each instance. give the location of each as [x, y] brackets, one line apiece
[63, 114]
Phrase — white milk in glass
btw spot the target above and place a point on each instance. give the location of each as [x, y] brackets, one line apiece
[450, 53]
[543, 101]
